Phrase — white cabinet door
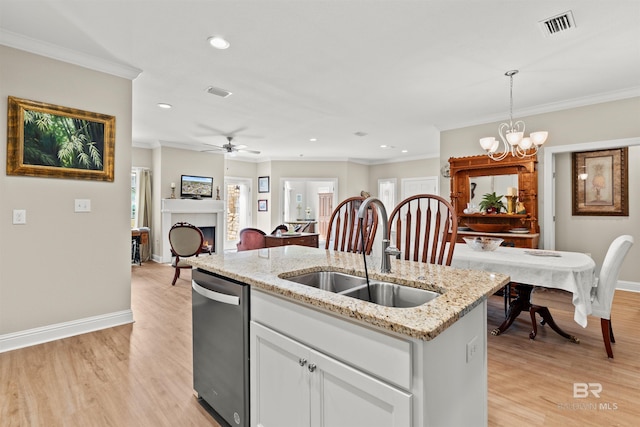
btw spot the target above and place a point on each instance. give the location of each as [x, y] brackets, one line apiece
[293, 385]
[342, 396]
[279, 384]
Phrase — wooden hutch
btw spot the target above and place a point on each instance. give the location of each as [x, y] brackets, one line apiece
[519, 230]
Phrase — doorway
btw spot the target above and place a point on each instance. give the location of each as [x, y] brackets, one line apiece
[309, 199]
[237, 194]
[424, 185]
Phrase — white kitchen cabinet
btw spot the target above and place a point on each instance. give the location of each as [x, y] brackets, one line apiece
[295, 385]
[364, 376]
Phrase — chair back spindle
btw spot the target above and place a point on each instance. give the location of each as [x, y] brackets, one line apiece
[424, 228]
[344, 229]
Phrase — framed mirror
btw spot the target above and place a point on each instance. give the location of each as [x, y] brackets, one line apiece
[474, 176]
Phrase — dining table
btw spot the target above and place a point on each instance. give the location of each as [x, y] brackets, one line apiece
[570, 271]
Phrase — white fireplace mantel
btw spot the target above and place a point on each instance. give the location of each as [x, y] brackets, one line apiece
[201, 213]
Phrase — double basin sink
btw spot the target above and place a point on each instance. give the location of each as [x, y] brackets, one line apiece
[381, 293]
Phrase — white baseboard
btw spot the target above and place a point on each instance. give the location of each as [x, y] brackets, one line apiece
[628, 286]
[58, 331]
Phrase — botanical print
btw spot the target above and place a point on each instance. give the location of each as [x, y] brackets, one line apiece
[62, 141]
[53, 141]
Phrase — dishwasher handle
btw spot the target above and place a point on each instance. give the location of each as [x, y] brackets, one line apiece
[216, 296]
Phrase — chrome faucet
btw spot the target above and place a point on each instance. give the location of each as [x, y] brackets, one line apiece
[387, 249]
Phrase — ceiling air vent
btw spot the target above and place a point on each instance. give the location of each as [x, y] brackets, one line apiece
[557, 24]
[217, 91]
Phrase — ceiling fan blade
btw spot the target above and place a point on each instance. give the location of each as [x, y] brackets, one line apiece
[214, 148]
[248, 151]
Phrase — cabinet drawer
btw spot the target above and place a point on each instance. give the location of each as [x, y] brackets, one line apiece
[375, 352]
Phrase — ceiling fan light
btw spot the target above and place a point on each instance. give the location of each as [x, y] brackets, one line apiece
[539, 138]
[218, 42]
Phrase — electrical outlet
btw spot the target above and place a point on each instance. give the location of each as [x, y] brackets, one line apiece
[472, 349]
[82, 205]
[19, 216]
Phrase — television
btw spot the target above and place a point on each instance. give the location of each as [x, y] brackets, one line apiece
[196, 187]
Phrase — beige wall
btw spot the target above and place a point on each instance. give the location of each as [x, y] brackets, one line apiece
[141, 158]
[590, 124]
[169, 164]
[402, 170]
[63, 266]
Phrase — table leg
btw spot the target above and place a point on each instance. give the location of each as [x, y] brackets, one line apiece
[517, 306]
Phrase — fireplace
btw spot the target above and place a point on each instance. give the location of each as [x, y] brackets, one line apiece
[206, 214]
[209, 234]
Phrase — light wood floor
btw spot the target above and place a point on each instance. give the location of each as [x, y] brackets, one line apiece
[140, 374]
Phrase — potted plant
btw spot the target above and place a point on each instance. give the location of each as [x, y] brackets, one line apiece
[491, 203]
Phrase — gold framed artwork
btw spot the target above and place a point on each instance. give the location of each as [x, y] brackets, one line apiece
[600, 182]
[51, 141]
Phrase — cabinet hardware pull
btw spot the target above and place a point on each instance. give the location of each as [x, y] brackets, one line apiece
[302, 362]
[312, 367]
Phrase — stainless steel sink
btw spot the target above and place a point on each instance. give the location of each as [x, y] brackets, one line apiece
[382, 293]
[331, 281]
[392, 295]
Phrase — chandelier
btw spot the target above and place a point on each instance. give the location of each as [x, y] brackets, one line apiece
[512, 135]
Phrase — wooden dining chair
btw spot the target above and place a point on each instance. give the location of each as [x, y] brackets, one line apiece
[543, 298]
[424, 228]
[251, 238]
[186, 240]
[344, 229]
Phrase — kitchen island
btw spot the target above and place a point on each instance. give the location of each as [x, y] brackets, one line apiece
[320, 358]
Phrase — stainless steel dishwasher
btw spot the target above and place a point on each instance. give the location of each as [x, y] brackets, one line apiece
[221, 345]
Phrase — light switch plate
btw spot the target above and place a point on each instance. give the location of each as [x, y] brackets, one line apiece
[82, 205]
[19, 216]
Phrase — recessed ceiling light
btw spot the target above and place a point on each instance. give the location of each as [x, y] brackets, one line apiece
[386, 147]
[405, 151]
[313, 139]
[164, 105]
[218, 42]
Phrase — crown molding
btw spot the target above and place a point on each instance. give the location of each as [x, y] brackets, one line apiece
[550, 107]
[49, 50]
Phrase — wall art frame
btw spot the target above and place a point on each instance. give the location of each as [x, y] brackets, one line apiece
[263, 205]
[52, 141]
[605, 190]
[263, 184]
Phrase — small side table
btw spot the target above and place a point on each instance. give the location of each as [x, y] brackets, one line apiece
[301, 239]
[139, 236]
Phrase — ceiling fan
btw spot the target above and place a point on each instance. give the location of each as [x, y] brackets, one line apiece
[231, 148]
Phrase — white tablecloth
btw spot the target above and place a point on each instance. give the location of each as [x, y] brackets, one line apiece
[571, 271]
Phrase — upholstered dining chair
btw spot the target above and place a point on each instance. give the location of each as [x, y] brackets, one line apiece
[185, 240]
[425, 229]
[344, 231]
[602, 295]
[251, 238]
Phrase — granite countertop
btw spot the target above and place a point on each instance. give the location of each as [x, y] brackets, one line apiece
[461, 290]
